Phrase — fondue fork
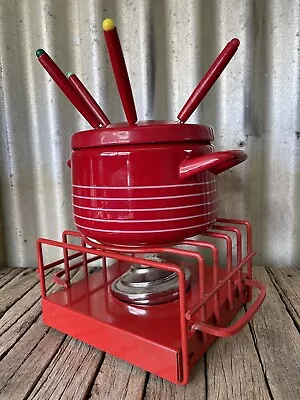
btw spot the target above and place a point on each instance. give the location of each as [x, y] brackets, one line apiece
[208, 80]
[88, 98]
[71, 93]
[120, 70]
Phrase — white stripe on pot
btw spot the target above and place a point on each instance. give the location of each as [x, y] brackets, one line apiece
[144, 209]
[143, 187]
[148, 231]
[136, 221]
[142, 198]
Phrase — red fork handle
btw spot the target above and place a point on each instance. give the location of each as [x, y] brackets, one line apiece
[239, 325]
[208, 80]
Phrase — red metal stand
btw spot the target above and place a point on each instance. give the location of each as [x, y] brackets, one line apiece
[166, 339]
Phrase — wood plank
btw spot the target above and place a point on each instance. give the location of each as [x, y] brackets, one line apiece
[28, 346]
[11, 337]
[159, 389]
[232, 367]
[16, 288]
[118, 380]
[8, 270]
[7, 274]
[25, 374]
[5, 270]
[287, 282]
[26, 279]
[22, 349]
[70, 373]
[35, 345]
[18, 309]
[278, 343]
[27, 311]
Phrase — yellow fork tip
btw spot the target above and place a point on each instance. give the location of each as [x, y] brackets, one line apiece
[108, 24]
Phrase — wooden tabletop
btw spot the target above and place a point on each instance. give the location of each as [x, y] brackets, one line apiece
[261, 362]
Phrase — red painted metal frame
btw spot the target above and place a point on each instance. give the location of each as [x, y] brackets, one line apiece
[202, 314]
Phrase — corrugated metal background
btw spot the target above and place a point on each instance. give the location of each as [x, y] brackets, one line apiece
[168, 45]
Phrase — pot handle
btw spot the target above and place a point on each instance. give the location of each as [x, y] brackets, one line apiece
[214, 162]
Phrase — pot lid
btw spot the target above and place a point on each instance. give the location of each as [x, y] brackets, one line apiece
[141, 133]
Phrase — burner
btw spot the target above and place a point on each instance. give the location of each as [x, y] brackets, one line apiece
[142, 285]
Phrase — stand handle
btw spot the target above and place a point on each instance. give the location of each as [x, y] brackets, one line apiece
[239, 325]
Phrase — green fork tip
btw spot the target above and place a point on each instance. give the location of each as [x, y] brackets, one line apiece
[40, 52]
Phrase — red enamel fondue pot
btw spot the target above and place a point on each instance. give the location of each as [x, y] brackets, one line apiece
[148, 183]
[142, 183]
